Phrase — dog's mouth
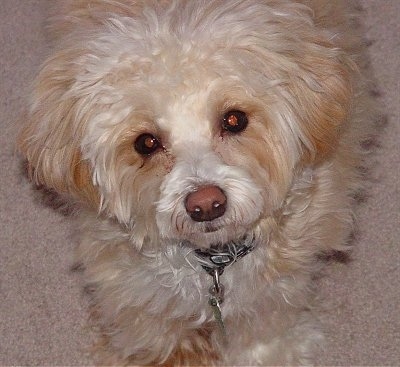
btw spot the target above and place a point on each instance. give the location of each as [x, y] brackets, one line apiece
[215, 233]
[209, 228]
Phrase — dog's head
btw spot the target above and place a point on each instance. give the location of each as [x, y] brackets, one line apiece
[185, 120]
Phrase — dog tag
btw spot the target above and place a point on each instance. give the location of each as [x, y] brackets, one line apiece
[216, 308]
[216, 292]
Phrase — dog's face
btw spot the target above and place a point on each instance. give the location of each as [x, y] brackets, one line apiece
[189, 121]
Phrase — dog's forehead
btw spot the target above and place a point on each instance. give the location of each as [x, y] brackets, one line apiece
[186, 119]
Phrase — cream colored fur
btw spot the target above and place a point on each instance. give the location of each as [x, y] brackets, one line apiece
[172, 68]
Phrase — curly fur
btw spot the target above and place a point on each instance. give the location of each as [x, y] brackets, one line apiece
[172, 68]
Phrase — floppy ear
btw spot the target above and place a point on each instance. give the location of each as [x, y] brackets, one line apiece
[322, 96]
[51, 138]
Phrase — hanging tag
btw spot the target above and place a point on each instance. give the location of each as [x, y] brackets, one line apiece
[216, 298]
[216, 308]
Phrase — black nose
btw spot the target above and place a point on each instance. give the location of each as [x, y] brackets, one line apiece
[206, 203]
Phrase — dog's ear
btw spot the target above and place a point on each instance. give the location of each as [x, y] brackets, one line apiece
[50, 139]
[322, 97]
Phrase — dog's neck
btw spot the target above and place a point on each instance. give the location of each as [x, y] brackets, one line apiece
[214, 260]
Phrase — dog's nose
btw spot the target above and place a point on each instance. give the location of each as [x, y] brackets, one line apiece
[206, 204]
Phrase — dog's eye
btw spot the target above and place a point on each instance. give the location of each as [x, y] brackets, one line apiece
[146, 144]
[234, 121]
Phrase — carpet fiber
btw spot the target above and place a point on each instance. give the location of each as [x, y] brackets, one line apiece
[42, 309]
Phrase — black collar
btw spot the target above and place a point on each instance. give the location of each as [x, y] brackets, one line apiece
[217, 257]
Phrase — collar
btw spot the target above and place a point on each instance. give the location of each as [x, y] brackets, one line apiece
[218, 257]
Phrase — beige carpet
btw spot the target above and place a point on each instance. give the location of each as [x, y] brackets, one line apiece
[42, 310]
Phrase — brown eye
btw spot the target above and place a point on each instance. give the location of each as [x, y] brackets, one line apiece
[234, 121]
[146, 144]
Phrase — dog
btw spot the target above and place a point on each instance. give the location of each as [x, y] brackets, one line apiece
[211, 151]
